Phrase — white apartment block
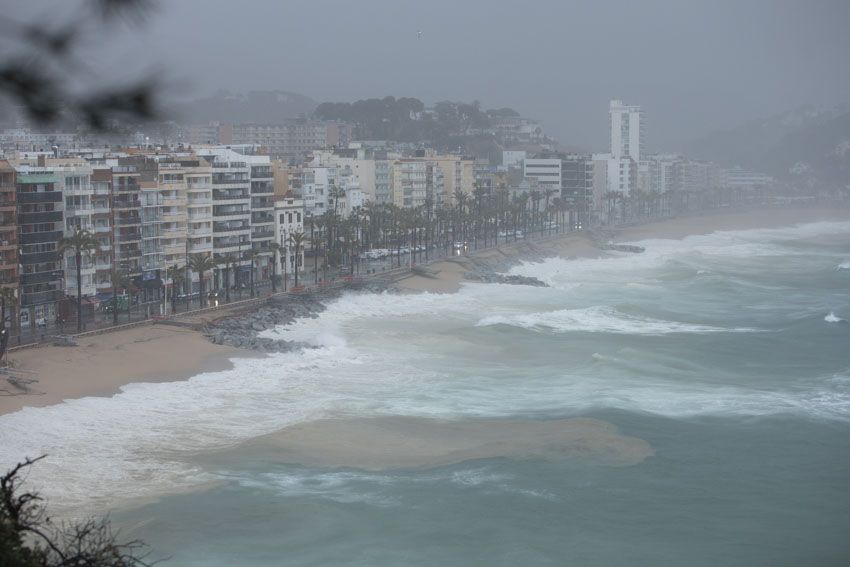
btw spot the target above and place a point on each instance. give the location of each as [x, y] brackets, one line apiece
[199, 205]
[547, 173]
[289, 217]
[231, 200]
[315, 188]
[627, 130]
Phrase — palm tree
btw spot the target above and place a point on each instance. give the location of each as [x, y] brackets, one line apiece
[119, 280]
[81, 242]
[201, 264]
[229, 262]
[251, 256]
[297, 240]
[177, 275]
[7, 297]
[547, 194]
[316, 223]
[275, 249]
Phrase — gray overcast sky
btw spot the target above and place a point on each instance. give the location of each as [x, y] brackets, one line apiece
[693, 66]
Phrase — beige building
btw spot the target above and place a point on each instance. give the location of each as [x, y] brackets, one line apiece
[458, 173]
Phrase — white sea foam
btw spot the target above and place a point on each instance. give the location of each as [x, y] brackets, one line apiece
[599, 319]
[845, 265]
[375, 356]
[372, 488]
[832, 318]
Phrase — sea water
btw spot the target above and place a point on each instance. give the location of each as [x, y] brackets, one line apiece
[728, 354]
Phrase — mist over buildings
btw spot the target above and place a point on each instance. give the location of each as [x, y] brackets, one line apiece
[695, 67]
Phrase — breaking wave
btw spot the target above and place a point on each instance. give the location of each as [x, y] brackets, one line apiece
[832, 318]
[600, 319]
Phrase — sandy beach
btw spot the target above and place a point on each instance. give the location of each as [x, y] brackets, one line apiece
[101, 364]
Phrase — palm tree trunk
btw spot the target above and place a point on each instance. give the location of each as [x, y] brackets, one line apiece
[297, 250]
[274, 272]
[79, 257]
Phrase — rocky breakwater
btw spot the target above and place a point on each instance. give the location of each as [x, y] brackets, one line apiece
[492, 277]
[489, 269]
[242, 330]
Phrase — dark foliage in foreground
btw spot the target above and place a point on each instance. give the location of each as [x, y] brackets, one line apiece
[37, 75]
[29, 538]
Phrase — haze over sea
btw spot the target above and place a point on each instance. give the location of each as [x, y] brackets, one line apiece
[685, 406]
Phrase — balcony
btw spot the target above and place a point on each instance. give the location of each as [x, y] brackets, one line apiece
[77, 189]
[174, 201]
[40, 297]
[172, 249]
[200, 247]
[41, 277]
[262, 188]
[231, 228]
[126, 204]
[128, 237]
[39, 257]
[258, 218]
[192, 202]
[40, 237]
[102, 229]
[174, 216]
[39, 218]
[128, 221]
[258, 235]
[230, 196]
[32, 197]
[205, 231]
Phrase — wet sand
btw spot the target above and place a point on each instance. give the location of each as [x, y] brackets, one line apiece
[398, 442]
[101, 364]
[448, 274]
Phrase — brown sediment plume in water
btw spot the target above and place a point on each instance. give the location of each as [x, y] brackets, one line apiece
[398, 442]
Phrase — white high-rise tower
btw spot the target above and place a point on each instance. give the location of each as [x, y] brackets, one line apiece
[626, 130]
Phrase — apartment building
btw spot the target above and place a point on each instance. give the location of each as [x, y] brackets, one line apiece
[458, 174]
[127, 219]
[546, 171]
[408, 183]
[199, 204]
[73, 176]
[262, 213]
[292, 140]
[8, 231]
[40, 227]
[289, 217]
[102, 228]
[577, 184]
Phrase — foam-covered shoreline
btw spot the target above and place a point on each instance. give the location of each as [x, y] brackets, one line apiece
[103, 364]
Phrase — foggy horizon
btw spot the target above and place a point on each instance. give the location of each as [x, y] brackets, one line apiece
[694, 68]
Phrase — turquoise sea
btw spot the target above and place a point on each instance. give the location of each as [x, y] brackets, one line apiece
[726, 357]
